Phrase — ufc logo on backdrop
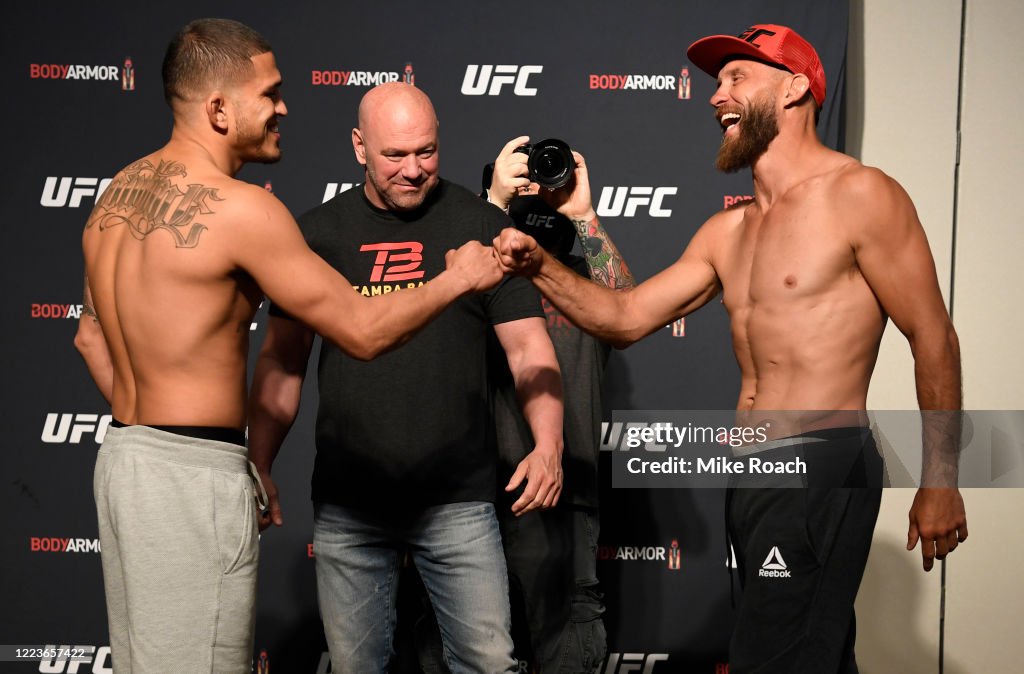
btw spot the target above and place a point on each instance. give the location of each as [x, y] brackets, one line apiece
[334, 189]
[60, 428]
[620, 663]
[77, 660]
[625, 201]
[480, 80]
[56, 191]
[385, 267]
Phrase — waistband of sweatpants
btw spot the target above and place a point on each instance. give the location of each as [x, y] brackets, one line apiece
[177, 448]
[809, 438]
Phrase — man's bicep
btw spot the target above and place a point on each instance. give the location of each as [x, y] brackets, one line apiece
[295, 278]
[520, 338]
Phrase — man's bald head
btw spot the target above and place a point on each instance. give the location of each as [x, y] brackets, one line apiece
[396, 141]
[395, 100]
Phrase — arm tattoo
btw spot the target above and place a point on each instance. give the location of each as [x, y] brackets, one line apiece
[604, 262]
[146, 199]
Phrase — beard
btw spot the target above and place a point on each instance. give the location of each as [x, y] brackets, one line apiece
[759, 126]
[255, 143]
[395, 199]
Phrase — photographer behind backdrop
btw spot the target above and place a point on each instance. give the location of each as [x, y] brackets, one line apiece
[88, 84]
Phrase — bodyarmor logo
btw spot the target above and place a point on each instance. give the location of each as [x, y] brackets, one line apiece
[387, 253]
[352, 78]
[665, 82]
[674, 556]
[485, 79]
[66, 191]
[56, 310]
[54, 544]
[641, 553]
[641, 663]
[683, 90]
[625, 201]
[59, 71]
[334, 189]
[128, 75]
[145, 199]
[728, 200]
[77, 660]
[60, 428]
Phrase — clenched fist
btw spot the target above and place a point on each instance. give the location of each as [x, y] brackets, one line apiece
[476, 264]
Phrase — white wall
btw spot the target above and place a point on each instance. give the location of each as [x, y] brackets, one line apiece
[904, 60]
[985, 588]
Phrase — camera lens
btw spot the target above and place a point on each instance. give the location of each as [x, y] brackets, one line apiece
[551, 163]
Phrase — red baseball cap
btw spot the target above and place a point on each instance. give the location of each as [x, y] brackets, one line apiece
[765, 42]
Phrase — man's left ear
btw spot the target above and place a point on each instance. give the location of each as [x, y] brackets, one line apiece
[215, 107]
[798, 87]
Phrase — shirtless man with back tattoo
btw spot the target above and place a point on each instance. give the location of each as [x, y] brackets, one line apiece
[178, 257]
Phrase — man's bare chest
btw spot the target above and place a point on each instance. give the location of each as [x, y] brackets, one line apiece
[787, 254]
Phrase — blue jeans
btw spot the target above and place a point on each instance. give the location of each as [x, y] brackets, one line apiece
[457, 550]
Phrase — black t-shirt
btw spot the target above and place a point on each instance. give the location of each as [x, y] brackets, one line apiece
[411, 427]
[581, 359]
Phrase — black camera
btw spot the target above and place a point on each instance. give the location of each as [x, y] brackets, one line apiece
[551, 163]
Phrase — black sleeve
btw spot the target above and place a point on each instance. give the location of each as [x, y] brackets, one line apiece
[514, 297]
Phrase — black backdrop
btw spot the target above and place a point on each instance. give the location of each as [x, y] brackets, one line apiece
[69, 128]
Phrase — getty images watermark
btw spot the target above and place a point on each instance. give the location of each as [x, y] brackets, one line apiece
[817, 448]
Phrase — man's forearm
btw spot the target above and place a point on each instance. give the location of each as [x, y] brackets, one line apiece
[92, 345]
[273, 406]
[604, 261]
[937, 376]
[541, 401]
[596, 309]
[377, 327]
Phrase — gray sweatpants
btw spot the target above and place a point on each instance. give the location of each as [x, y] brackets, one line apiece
[178, 539]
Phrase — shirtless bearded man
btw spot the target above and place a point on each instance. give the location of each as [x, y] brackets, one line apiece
[810, 271]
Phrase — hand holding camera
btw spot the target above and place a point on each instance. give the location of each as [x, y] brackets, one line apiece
[524, 168]
[550, 163]
[511, 174]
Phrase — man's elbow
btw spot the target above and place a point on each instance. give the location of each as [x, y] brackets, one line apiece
[953, 341]
[363, 353]
[938, 343]
[621, 342]
[368, 346]
[81, 343]
[87, 342]
[946, 339]
[626, 336]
